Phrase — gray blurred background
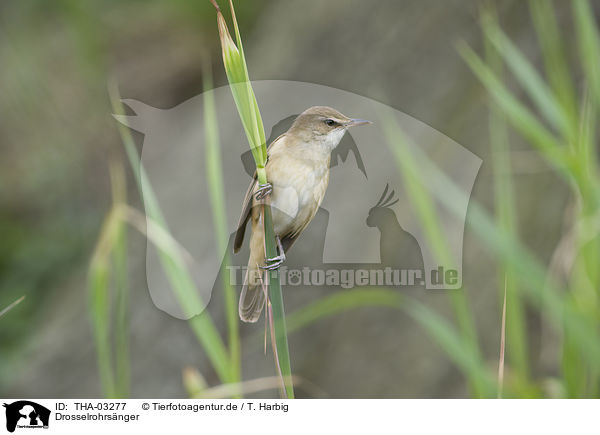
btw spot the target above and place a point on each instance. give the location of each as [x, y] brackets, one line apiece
[57, 135]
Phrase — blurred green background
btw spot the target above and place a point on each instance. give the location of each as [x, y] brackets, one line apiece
[57, 138]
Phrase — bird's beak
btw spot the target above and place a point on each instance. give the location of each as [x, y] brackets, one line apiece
[354, 122]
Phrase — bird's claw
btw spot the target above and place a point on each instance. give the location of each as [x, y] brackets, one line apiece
[263, 191]
[276, 262]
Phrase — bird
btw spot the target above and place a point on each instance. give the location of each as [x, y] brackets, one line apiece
[298, 174]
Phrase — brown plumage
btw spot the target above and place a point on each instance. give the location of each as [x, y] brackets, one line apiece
[298, 169]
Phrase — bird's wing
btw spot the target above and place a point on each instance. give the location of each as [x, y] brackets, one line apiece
[288, 240]
[247, 207]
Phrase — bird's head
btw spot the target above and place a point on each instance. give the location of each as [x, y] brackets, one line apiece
[323, 126]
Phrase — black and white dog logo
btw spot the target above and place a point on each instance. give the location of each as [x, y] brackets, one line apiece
[26, 414]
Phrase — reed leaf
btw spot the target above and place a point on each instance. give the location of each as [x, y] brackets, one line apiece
[214, 179]
[175, 268]
[423, 202]
[513, 317]
[245, 100]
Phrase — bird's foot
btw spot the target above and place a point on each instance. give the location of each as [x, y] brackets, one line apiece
[274, 262]
[263, 191]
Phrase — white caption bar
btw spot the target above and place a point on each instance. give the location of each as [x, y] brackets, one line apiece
[23, 416]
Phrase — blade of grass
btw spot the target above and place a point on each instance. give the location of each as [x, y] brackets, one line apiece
[548, 296]
[502, 347]
[587, 151]
[254, 110]
[506, 219]
[457, 347]
[581, 378]
[245, 100]
[119, 257]
[11, 306]
[281, 349]
[575, 159]
[241, 89]
[340, 302]
[428, 216]
[214, 179]
[225, 391]
[459, 350]
[589, 51]
[176, 271]
[529, 78]
[106, 321]
[520, 117]
[98, 284]
[590, 191]
[589, 44]
[99, 300]
[271, 321]
[121, 313]
[193, 381]
[555, 61]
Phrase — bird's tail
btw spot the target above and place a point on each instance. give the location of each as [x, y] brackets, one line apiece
[252, 298]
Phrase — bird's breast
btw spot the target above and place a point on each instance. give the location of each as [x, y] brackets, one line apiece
[298, 189]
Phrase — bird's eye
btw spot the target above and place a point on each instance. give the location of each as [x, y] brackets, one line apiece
[330, 122]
